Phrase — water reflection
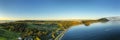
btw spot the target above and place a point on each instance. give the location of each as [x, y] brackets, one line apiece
[97, 31]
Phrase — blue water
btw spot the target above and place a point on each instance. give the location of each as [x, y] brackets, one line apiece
[97, 31]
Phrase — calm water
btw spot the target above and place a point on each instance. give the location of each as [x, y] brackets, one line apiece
[97, 31]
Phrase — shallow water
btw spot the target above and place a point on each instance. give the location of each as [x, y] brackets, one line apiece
[97, 31]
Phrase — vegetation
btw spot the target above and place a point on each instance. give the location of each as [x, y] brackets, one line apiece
[37, 30]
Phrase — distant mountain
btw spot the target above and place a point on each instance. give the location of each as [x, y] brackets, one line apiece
[103, 19]
[113, 18]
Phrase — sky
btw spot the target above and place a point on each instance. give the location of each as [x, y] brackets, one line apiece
[58, 9]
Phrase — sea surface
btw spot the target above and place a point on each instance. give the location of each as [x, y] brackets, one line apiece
[96, 31]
